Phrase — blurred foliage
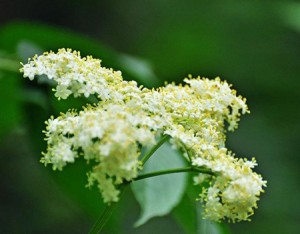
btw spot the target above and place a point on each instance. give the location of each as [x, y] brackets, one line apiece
[253, 44]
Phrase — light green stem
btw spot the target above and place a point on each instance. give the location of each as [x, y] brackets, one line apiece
[102, 219]
[154, 148]
[174, 170]
[187, 152]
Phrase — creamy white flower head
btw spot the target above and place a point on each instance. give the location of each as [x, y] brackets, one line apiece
[238, 188]
[73, 74]
[128, 117]
[107, 135]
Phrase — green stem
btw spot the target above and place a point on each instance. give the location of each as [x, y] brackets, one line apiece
[187, 152]
[174, 170]
[154, 148]
[101, 221]
[9, 65]
[97, 227]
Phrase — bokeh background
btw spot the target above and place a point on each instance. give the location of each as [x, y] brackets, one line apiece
[253, 44]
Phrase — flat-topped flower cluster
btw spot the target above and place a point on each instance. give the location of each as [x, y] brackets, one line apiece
[128, 117]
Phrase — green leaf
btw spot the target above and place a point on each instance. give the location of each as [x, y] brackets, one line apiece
[157, 196]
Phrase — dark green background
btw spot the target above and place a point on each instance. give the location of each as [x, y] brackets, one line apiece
[253, 44]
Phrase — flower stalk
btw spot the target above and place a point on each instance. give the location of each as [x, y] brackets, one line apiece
[99, 224]
[174, 170]
[154, 148]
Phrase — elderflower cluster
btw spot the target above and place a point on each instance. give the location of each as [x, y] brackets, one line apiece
[110, 137]
[127, 118]
[196, 114]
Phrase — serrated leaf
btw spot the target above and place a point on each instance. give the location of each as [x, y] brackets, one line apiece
[157, 196]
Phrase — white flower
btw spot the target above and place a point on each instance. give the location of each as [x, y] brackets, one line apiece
[128, 117]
